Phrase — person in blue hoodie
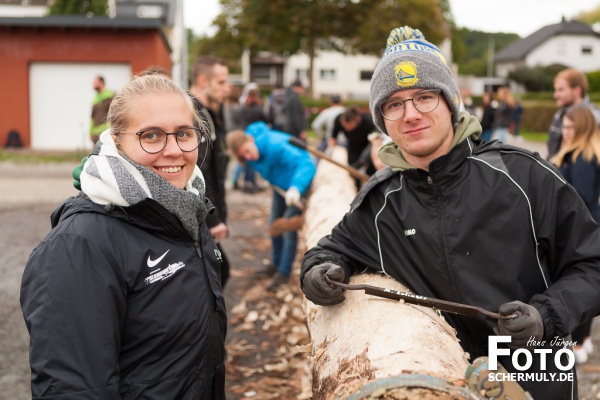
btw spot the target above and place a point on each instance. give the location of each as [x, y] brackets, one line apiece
[287, 168]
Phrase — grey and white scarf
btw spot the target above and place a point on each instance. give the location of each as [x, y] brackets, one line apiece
[110, 177]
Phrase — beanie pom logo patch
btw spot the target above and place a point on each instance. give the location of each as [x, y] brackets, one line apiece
[406, 73]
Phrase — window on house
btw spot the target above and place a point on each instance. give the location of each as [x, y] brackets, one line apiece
[366, 75]
[302, 74]
[562, 48]
[261, 72]
[327, 74]
[586, 50]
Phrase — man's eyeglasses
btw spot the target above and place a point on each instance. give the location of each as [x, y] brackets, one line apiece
[424, 101]
[155, 140]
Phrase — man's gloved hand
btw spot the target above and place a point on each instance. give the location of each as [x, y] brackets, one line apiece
[527, 325]
[76, 173]
[292, 197]
[317, 290]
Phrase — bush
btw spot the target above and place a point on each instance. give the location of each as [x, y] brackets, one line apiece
[537, 115]
[594, 81]
[536, 79]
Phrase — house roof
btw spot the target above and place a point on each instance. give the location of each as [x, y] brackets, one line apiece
[517, 51]
[79, 21]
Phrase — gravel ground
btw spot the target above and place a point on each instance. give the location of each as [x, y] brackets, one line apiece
[28, 194]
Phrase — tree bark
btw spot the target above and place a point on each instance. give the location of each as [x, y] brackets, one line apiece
[332, 191]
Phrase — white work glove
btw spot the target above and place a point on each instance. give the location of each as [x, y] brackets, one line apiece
[292, 197]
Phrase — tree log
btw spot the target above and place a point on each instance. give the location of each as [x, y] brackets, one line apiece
[367, 347]
[332, 191]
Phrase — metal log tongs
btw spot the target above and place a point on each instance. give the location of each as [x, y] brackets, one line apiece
[441, 305]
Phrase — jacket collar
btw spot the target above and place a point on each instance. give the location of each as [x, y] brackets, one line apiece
[446, 167]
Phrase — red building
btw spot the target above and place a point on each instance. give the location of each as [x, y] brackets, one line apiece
[47, 66]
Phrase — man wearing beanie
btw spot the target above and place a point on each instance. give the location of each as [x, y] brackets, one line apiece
[455, 218]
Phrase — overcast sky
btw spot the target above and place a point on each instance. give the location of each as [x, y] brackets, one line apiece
[522, 17]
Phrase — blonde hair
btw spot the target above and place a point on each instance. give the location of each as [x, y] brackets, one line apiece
[141, 85]
[574, 79]
[234, 140]
[586, 141]
[506, 96]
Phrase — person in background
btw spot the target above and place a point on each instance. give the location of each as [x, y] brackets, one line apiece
[356, 127]
[286, 111]
[463, 220]
[210, 87]
[288, 169]
[578, 160]
[122, 299]
[377, 141]
[570, 89]
[487, 117]
[467, 101]
[251, 110]
[324, 122]
[155, 70]
[232, 107]
[100, 105]
[515, 127]
[503, 116]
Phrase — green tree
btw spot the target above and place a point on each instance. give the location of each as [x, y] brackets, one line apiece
[590, 17]
[471, 49]
[429, 16]
[79, 7]
[290, 26]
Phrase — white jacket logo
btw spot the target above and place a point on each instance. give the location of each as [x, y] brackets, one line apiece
[162, 274]
[410, 232]
[154, 263]
[218, 255]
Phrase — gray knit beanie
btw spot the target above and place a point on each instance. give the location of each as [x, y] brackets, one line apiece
[410, 61]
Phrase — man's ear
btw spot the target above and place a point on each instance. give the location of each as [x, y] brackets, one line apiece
[201, 81]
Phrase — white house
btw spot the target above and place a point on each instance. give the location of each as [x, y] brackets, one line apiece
[571, 43]
[334, 73]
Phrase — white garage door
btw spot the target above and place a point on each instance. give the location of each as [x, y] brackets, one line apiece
[60, 96]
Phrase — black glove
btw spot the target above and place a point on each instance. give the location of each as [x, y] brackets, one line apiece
[76, 173]
[527, 325]
[317, 290]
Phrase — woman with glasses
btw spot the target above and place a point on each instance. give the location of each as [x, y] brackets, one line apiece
[579, 162]
[123, 298]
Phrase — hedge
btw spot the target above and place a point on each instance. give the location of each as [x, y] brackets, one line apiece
[537, 115]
